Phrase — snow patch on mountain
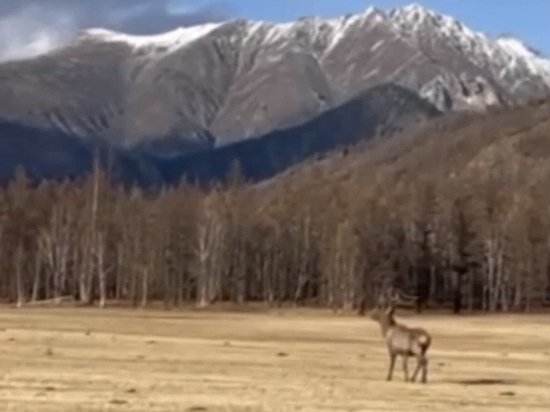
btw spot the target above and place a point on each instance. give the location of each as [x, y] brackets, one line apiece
[171, 41]
[517, 49]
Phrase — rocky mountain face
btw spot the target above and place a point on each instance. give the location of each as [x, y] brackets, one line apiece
[201, 88]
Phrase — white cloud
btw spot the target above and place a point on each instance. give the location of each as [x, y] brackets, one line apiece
[32, 31]
[29, 28]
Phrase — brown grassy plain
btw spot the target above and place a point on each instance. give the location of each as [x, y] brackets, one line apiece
[126, 360]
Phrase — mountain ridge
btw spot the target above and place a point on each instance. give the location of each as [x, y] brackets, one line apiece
[223, 82]
[200, 89]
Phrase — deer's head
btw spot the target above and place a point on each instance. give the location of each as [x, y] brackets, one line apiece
[384, 309]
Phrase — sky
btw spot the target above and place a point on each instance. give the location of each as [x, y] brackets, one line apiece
[528, 20]
[32, 27]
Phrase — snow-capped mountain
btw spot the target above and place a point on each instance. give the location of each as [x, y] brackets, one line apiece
[197, 87]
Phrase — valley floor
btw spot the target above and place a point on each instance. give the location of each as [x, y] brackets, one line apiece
[126, 360]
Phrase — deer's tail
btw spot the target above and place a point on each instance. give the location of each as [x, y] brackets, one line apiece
[424, 341]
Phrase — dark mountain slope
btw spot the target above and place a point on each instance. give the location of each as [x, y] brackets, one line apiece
[381, 111]
[52, 155]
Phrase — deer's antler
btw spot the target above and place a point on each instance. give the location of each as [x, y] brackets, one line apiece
[393, 296]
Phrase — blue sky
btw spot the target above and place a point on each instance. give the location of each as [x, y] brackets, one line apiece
[528, 20]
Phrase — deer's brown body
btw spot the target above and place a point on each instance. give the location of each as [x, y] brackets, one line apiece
[403, 341]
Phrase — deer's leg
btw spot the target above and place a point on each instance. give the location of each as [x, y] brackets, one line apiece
[424, 369]
[392, 364]
[406, 367]
[417, 369]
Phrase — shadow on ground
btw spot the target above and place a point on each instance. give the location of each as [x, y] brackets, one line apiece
[486, 382]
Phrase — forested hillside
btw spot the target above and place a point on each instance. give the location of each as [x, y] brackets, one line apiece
[458, 209]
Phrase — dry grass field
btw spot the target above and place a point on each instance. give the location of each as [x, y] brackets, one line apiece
[126, 360]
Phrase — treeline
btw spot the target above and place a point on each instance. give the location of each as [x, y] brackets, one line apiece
[478, 240]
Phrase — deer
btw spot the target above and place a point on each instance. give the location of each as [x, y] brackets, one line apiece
[402, 340]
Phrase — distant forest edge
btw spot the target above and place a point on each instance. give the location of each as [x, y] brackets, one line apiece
[458, 212]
